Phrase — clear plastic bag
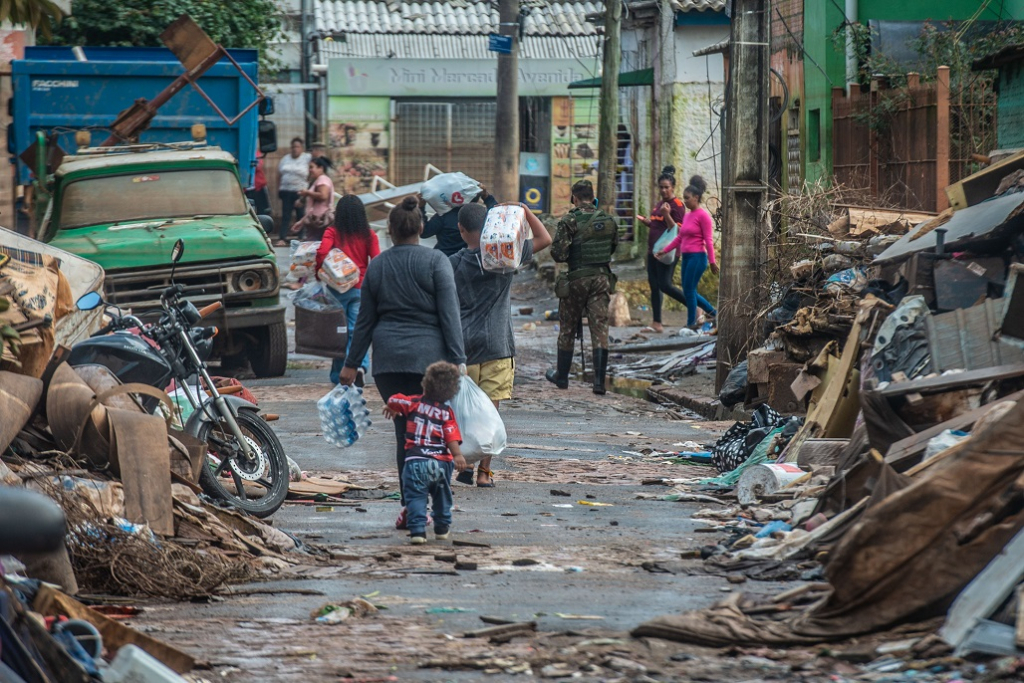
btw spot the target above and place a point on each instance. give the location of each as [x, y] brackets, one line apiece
[339, 272]
[303, 261]
[314, 297]
[483, 431]
[503, 238]
[344, 417]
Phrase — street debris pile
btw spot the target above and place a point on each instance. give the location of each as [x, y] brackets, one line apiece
[883, 460]
[135, 522]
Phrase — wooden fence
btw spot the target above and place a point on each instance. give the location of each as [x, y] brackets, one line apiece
[894, 144]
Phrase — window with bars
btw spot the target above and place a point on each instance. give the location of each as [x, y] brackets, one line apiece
[454, 136]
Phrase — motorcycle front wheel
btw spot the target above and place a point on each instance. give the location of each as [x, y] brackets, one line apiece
[259, 486]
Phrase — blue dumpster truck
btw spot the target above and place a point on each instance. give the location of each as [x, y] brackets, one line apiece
[57, 92]
[124, 206]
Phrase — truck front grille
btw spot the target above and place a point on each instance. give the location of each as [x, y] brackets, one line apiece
[140, 289]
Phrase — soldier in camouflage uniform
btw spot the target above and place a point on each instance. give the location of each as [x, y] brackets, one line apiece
[585, 240]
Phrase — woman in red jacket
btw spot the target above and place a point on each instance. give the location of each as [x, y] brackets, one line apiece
[351, 233]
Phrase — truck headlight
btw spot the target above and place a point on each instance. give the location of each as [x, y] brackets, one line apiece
[249, 281]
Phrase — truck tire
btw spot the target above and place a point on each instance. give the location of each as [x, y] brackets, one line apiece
[270, 357]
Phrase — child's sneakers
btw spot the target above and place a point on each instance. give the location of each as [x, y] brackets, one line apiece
[442, 533]
[418, 539]
[402, 523]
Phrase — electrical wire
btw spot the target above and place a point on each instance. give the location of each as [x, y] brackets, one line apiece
[800, 45]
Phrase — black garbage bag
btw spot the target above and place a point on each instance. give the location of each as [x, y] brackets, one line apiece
[735, 388]
[739, 442]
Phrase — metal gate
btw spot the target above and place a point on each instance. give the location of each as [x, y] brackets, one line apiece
[454, 136]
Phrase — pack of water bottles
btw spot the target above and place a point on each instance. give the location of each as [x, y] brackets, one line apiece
[344, 417]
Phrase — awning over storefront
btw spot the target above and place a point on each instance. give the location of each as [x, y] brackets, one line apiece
[627, 79]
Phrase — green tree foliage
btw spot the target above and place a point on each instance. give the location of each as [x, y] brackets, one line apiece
[139, 23]
[41, 15]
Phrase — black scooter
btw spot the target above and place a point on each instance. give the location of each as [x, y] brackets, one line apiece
[246, 464]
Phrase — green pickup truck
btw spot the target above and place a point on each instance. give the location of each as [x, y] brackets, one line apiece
[124, 207]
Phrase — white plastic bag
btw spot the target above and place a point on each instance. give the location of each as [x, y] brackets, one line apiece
[339, 272]
[449, 191]
[663, 242]
[942, 441]
[483, 432]
[502, 239]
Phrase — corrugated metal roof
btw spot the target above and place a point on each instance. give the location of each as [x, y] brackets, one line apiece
[471, 17]
[421, 46]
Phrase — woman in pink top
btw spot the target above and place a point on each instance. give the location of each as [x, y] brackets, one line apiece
[697, 247]
[319, 199]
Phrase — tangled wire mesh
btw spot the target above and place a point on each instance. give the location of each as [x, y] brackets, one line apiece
[111, 559]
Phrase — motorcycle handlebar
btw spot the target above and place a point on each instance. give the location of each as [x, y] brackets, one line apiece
[210, 309]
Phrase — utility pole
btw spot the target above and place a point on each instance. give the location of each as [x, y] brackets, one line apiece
[608, 156]
[506, 142]
[746, 182]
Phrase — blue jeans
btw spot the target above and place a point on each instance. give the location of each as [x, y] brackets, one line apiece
[350, 301]
[422, 478]
[694, 265]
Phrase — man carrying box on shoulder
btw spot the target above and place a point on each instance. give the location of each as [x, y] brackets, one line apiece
[485, 301]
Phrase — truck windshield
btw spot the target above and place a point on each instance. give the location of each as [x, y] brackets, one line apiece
[151, 196]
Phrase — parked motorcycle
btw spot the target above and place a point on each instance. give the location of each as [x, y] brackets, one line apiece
[246, 464]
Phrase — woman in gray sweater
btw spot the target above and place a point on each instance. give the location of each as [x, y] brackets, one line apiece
[409, 310]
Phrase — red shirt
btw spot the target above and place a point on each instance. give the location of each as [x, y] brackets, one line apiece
[429, 427]
[260, 179]
[358, 249]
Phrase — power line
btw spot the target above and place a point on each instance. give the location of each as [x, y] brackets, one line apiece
[800, 45]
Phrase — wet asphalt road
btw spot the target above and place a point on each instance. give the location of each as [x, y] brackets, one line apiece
[587, 558]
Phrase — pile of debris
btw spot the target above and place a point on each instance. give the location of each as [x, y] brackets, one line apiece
[137, 523]
[890, 474]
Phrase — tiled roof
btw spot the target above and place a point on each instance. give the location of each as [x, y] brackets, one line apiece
[454, 17]
[420, 46]
[700, 5]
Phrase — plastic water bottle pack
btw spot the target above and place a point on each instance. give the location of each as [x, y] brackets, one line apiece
[344, 416]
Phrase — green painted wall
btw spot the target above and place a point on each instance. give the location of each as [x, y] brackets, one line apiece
[938, 10]
[1010, 121]
[1012, 9]
[824, 68]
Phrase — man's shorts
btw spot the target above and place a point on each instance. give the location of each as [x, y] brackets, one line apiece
[495, 377]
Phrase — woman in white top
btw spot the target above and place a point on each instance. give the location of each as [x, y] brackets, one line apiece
[293, 174]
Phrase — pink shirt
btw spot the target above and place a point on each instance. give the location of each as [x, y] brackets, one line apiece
[695, 234]
[317, 207]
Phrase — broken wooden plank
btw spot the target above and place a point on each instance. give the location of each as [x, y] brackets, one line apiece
[470, 544]
[51, 602]
[1020, 616]
[501, 629]
[957, 380]
[990, 638]
[985, 594]
[825, 452]
[907, 452]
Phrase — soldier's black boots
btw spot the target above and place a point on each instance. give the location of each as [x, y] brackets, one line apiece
[560, 377]
[600, 366]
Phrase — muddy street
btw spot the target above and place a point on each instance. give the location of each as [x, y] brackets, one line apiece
[561, 541]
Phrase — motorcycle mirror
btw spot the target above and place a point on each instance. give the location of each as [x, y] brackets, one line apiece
[88, 302]
[177, 251]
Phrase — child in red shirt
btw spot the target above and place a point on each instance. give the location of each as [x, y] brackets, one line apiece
[432, 441]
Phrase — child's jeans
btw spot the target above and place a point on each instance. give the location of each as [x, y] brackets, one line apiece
[422, 478]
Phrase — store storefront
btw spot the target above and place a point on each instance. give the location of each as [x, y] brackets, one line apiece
[393, 117]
